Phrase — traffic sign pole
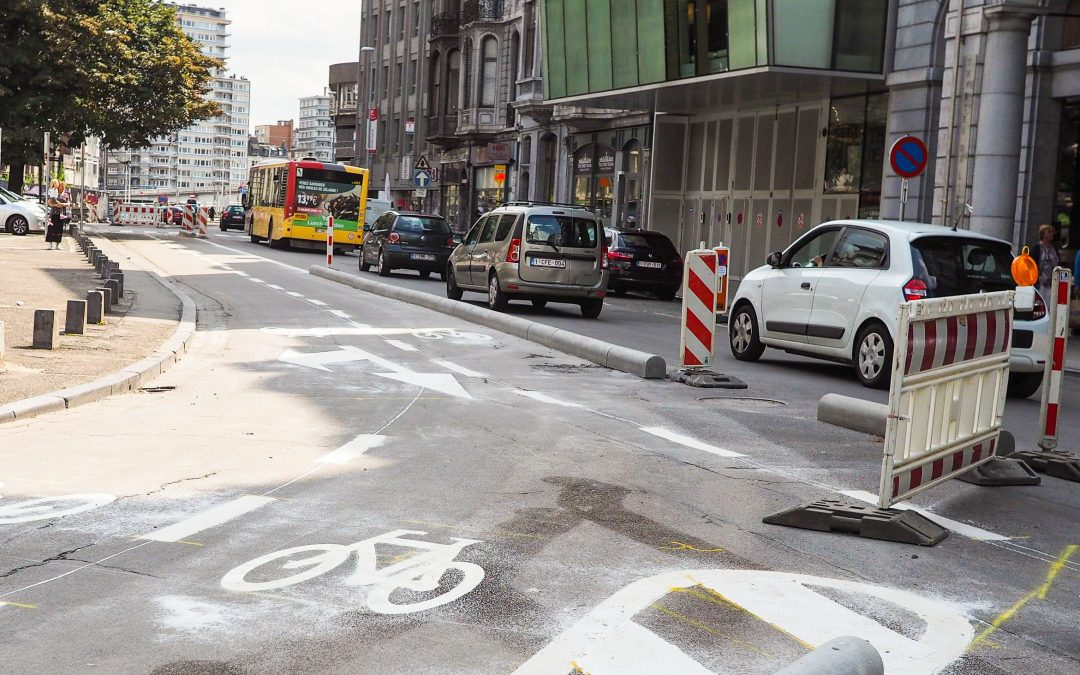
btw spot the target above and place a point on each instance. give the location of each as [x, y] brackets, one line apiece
[903, 197]
[908, 158]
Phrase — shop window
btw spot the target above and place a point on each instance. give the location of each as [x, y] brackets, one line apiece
[489, 56]
[594, 174]
[854, 154]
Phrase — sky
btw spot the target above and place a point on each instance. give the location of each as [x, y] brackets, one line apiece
[285, 47]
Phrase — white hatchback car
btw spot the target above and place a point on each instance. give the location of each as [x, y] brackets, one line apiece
[834, 293]
[20, 216]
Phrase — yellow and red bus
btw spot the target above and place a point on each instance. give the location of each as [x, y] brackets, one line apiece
[288, 203]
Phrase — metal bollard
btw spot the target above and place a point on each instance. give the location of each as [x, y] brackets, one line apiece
[46, 329]
[75, 317]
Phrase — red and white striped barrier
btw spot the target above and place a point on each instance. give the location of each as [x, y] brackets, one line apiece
[1055, 365]
[698, 309]
[137, 214]
[949, 378]
[188, 222]
[329, 241]
[204, 219]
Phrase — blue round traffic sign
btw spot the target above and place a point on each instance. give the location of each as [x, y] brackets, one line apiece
[908, 157]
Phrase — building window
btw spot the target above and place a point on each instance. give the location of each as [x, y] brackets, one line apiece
[412, 76]
[466, 91]
[515, 56]
[386, 81]
[489, 60]
[854, 153]
[416, 17]
[453, 81]
[526, 151]
[434, 104]
[702, 30]
[401, 22]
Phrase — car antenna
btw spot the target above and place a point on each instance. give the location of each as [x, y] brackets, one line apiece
[960, 213]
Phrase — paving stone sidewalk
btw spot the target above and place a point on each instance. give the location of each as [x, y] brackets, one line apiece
[34, 277]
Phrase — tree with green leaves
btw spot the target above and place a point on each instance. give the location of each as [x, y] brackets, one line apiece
[122, 70]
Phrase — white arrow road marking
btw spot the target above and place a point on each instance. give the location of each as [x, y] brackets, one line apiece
[460, 370]
[969, 531]
[212, 517]
[606, 639]
[319, 360]
[544, 398]
[353, 449]
[689, 442]
[403, 346]
[447, 384]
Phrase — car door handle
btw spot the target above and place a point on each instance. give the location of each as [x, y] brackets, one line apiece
[806, 285]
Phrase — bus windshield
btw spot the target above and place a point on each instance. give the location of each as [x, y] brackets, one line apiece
[322, 192]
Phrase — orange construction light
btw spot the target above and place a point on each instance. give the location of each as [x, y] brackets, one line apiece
[1025, 270]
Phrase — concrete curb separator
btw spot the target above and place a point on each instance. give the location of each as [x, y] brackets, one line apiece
[852, 413]
[649, 366]
[126, 380]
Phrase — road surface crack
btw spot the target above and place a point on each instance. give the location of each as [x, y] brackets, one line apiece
[161, 488]
[59, 556]
[117, 568]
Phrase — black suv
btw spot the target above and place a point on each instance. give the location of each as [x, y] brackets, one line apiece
[232, 215]
[407, 240]
[643, 260]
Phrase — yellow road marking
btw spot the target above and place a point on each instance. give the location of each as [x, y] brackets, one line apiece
[1038, 593]
[679, 546]
[708, 629]
[709, 595]
[18, 604]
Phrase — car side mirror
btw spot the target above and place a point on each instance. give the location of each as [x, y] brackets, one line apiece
[774, 260]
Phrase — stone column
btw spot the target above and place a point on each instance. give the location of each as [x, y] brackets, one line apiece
[1001, 120]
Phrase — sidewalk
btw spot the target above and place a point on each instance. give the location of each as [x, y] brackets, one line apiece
[33, 277]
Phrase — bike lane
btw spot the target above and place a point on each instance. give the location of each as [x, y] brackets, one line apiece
[543, 466]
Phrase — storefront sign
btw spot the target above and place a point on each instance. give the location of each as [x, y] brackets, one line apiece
[605, 159]
[406, 168]
[491, 153]
[583, 161]
[410, 126]
[456, 156]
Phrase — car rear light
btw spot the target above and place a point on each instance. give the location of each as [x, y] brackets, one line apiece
[394, 237]
[514, 254]
[1039, 310]
[450, 242]
[915, 289]
[605, 254]
[619, 256]
[677, 260]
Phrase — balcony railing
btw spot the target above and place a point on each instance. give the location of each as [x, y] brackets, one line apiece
[446, 24]
[481, 10]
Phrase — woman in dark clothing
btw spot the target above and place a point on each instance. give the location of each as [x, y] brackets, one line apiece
[59, 202]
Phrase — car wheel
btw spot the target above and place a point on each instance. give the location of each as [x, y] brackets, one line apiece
[873, 356]
[590, 309]
[423, 274]
[384, 271]
[667, 295]
[453, 291]
[223, 228]
[1023, 385]
[18, 225]
[743, 335]
[539, 304]
[497, 300]
[364, 264]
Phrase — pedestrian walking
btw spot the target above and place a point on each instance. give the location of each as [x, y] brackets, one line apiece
[1047, 257]
[211, 213]
[59, 202]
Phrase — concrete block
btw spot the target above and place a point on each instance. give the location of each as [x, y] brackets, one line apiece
[75, 318]
[845, 655]
[46, 329]
[95, 307]
[853, 413]
[119, 276]
[114, 286]
[107, 303]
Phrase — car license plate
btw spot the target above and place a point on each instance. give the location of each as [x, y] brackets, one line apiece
[547, 262]
[650, 265]
[422, 256]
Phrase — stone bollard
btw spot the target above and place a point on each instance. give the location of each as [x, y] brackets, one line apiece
[75, 318]
[2, 348]
[95, 307]
[119, 276]
[102, 259]
[107, 267]
[46, 329]
[114, 286]
[106, 303]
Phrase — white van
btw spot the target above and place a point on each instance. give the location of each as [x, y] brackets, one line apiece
[375, 208]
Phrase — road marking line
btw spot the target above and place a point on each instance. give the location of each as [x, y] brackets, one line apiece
[969, 531]
[340, 314]
[352, 449]
[258, 281]
[544, 398]
[317, 303]
[242, 274]
[403, 346]
[461, 370]
[294, 294]
[689, 442]
[275, 287]
[212, 517]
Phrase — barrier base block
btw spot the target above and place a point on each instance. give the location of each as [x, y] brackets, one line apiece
[1056, 464]
[998, 471]
[865, 520]
[708, 379]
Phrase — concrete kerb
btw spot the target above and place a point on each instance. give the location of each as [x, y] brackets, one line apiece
[649, 366]
[126, 380]
[853, 413]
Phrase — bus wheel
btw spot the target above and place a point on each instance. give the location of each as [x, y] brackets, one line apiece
[270, 236]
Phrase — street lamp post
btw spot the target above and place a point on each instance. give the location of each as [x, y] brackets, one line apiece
[363, 111]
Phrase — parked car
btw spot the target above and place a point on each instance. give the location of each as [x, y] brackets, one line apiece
[642, 260]
[172, 215]
[20, 217]
[232, 216]
[407, 240]
[834, 293]
[533, 251]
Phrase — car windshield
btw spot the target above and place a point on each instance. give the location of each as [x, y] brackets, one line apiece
[561, 230]
[236, 209]
[422, 224]
[959, 265]
[655, 242]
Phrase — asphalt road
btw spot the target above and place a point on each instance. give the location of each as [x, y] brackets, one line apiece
[336, 482]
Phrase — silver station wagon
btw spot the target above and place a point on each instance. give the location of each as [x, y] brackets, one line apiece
[533, 251]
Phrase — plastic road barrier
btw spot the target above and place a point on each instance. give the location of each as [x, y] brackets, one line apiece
[329, 241]
[723, 255]
[189, 218]
[204, 219]
[698, 309]
[950, 375]
[1055, 365]
[137, 214]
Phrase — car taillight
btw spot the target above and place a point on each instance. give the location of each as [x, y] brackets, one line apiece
[451, 243]
[619, 255]
[605, 255]
[514, 254]
[394, 238]
[1039, 311]
[915, 289]
[677, 260]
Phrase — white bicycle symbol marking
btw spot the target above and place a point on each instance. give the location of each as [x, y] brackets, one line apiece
[45, 508]
[421, 572]
[450, 335]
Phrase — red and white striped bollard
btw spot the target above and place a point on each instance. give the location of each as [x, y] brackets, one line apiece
[329, 241]
[1055, 365]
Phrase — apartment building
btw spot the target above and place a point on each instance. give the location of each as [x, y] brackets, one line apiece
[278, 135]
[315, 128]
[343, 78]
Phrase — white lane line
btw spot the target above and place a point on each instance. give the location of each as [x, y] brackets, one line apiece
[353, 449]
[212, 517]
[242, 274]
[258, 281]
[294, 294]
[461, 370]
[544, 398]
[689, 442]
[275, 287]
[340, 314]
[403, 346]
[969, 531]
[317, 303]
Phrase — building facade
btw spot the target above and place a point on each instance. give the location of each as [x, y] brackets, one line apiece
[278, 135]
[343, 83]
[208, 159]
[315, 128]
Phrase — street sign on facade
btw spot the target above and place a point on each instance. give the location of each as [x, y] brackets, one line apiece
[420, 192]
[406, 167]
[421, 178]
[410, 126]
[373, 130]
[422, 164]
[908, 157]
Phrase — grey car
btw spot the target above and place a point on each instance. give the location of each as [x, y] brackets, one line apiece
[533, 251]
